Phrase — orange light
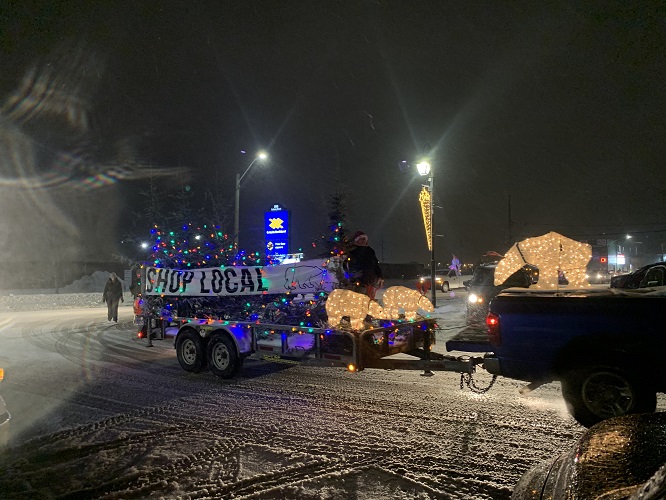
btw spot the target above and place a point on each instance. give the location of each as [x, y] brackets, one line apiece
[351, 367]
[2, 373]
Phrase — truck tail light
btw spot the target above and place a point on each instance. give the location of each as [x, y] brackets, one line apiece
[493, 324]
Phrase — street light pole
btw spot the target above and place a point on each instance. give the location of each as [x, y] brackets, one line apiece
[433, 265]
[239, 178]
[425, 168]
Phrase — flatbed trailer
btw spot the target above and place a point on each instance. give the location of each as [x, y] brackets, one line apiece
[222, 346]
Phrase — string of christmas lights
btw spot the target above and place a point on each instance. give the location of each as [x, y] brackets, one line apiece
[194, 246]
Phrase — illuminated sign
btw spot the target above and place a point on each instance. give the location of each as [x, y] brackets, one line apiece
[276, 230]
[276, 247]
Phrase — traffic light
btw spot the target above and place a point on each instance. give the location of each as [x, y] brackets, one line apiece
[603, 260]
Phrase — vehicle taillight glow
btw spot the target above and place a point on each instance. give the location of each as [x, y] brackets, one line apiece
[493, 324]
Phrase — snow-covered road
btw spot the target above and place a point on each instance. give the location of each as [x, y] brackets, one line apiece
[97, 414]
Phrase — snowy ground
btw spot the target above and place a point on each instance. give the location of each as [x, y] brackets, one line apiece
[98, 414]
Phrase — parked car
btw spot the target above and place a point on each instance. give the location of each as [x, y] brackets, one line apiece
[5, 417]
[647, 276]
[446, 279]
[482, 288]
[622, 457]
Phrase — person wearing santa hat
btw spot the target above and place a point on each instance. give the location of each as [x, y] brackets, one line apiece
[362, 266]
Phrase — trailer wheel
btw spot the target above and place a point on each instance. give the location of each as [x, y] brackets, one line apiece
[222, 357]
[596, 393]
[191, 351]
[445, 287]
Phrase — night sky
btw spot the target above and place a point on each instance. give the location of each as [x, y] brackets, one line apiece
[559, 107]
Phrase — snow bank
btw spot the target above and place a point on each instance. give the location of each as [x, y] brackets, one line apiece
[85, 292]
[39, 302]
[93, 283]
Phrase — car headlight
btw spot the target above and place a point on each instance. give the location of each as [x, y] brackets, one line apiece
[474, 299]
[439, 280]
[422, 280]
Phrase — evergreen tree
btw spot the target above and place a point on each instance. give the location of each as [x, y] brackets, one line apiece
[332, 243]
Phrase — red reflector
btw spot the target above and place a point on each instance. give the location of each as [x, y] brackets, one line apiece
[493, 324]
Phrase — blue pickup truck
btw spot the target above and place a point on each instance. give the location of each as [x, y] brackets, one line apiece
[607, 347]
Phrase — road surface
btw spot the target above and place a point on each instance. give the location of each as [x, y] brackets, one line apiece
[98, 414]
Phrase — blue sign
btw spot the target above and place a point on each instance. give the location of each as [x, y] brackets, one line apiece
[276, 230]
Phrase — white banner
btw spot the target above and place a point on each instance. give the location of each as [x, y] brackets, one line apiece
[302, 277]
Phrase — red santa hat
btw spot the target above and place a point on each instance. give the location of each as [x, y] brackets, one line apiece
[359, 234]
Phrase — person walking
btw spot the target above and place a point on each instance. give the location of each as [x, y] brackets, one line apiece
[362, 266]
[113, 295]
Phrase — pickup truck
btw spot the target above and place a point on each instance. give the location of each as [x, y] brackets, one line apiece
[446, 280]
[605, 346]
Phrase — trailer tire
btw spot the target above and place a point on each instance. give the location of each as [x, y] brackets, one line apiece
[599, 392]
[191, 351]
[223, 359]
[445, 287]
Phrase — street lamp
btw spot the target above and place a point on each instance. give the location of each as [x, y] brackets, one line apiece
[627, 237]
[261, 156]
[424, 169]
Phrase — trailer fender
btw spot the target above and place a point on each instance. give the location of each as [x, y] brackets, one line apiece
[241, 335]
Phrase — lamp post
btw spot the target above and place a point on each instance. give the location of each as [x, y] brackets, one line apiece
[424, 169]
[626, 237]
[261, 156]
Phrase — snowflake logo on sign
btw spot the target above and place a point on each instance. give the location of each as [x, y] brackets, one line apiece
[276, 223]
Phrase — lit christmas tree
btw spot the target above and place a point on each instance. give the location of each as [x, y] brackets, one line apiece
[193, 245]
[181, 240]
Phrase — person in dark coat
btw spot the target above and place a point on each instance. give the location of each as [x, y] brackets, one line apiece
[113, 295]
[363, 267]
